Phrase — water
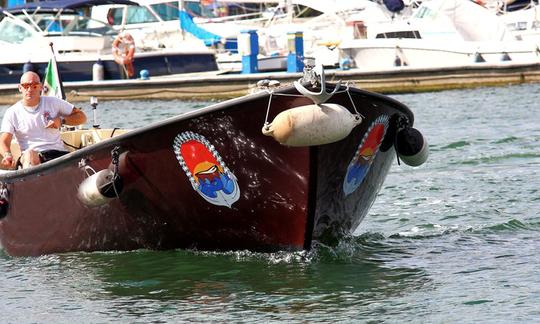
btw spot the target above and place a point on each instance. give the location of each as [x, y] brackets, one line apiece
[456, 240]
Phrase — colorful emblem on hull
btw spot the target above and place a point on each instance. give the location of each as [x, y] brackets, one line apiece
[205, 169]
[365, 154]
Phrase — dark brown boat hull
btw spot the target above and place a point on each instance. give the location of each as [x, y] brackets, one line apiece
[282, 197]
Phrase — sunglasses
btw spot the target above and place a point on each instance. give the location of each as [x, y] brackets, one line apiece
[33, 85]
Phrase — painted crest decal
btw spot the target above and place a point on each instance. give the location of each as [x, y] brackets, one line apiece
[368, 148]
[205, 169]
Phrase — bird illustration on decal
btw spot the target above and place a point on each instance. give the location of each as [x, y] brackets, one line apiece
[205, 169]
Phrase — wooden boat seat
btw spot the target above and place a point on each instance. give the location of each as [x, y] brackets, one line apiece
[79, 138]
[75, 139]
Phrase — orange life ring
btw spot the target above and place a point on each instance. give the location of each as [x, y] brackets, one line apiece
[123, 50]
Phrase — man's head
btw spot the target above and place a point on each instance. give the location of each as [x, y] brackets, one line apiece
[30, 87]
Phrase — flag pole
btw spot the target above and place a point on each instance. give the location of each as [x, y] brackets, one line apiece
[57, 72]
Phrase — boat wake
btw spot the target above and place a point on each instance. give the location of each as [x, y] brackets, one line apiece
[357, 248]
[427, 231]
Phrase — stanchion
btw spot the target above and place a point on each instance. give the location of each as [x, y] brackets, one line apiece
[248, 47]
[295, 58]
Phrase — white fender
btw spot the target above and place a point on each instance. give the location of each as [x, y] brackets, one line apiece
[312, 125]
[418, 158]
[93, 190]
[412, 147]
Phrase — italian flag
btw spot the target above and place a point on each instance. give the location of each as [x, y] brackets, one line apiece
[52, 83]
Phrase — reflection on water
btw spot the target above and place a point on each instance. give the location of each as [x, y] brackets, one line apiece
[314, 284]
[420, 271]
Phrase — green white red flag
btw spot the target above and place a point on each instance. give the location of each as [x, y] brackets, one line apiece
[52, 82]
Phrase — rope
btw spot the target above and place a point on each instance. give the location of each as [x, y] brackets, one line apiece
[271, 92]
[352, 102]
[72, 146]
[113, 131]
[115, 162]
[402, 123]
[268, 111]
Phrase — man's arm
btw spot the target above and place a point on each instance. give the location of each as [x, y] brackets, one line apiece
[77, 117]
[5, 149]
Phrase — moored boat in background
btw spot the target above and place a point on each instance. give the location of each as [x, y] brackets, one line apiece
[81, 42]
[277, 169]
[440, 34]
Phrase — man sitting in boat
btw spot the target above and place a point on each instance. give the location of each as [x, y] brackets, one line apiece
[35, 121]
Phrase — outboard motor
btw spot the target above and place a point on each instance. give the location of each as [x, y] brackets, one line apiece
[411, 146]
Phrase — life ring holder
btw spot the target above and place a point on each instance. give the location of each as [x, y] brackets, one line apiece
[123, 50]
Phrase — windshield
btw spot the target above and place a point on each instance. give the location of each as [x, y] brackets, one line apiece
[74, 24]
[139, 15]
[12, 32]
[166, 11]
[214, 9]
[18, 29]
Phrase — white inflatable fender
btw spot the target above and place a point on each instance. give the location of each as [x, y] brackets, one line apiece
[412, 147]
[95, 190]
[312, 125]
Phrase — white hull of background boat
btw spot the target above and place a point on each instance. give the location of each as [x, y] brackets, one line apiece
[419, 53]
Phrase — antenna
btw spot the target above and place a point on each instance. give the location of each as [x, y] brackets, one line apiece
[94, 103]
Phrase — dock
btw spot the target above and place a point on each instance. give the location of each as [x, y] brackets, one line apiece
[219, 85]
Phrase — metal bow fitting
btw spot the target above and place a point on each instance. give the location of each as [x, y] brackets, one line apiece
[321, 96]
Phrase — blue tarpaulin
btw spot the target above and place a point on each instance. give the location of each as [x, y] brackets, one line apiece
[187, 24]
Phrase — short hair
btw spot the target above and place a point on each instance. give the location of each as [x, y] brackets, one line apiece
[30, 73]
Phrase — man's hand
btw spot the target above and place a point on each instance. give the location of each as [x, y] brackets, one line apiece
[7, 161]
[54, 123]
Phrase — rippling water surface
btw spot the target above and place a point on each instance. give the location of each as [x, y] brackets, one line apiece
[456, 240]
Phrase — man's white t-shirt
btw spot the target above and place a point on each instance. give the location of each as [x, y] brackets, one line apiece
[28, 125]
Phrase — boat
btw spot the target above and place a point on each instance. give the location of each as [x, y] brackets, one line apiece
[441, 34]
[322, 24]
[278, 169]
[80, 42]
[167, 24]
[521, 17]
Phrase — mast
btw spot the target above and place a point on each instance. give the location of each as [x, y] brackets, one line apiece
[290, 10]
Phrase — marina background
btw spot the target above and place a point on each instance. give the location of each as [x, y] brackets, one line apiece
[454, 240]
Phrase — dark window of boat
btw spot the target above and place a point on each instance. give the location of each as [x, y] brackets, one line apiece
[235, 11]
[139, 15]
[114, 16]
[400, 34]
[167, 11]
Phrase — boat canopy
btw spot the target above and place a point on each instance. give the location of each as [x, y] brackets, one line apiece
[67, 4]
[334, 6]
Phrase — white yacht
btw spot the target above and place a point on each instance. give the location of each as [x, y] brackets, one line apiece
[79, 42]
[441, 33]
